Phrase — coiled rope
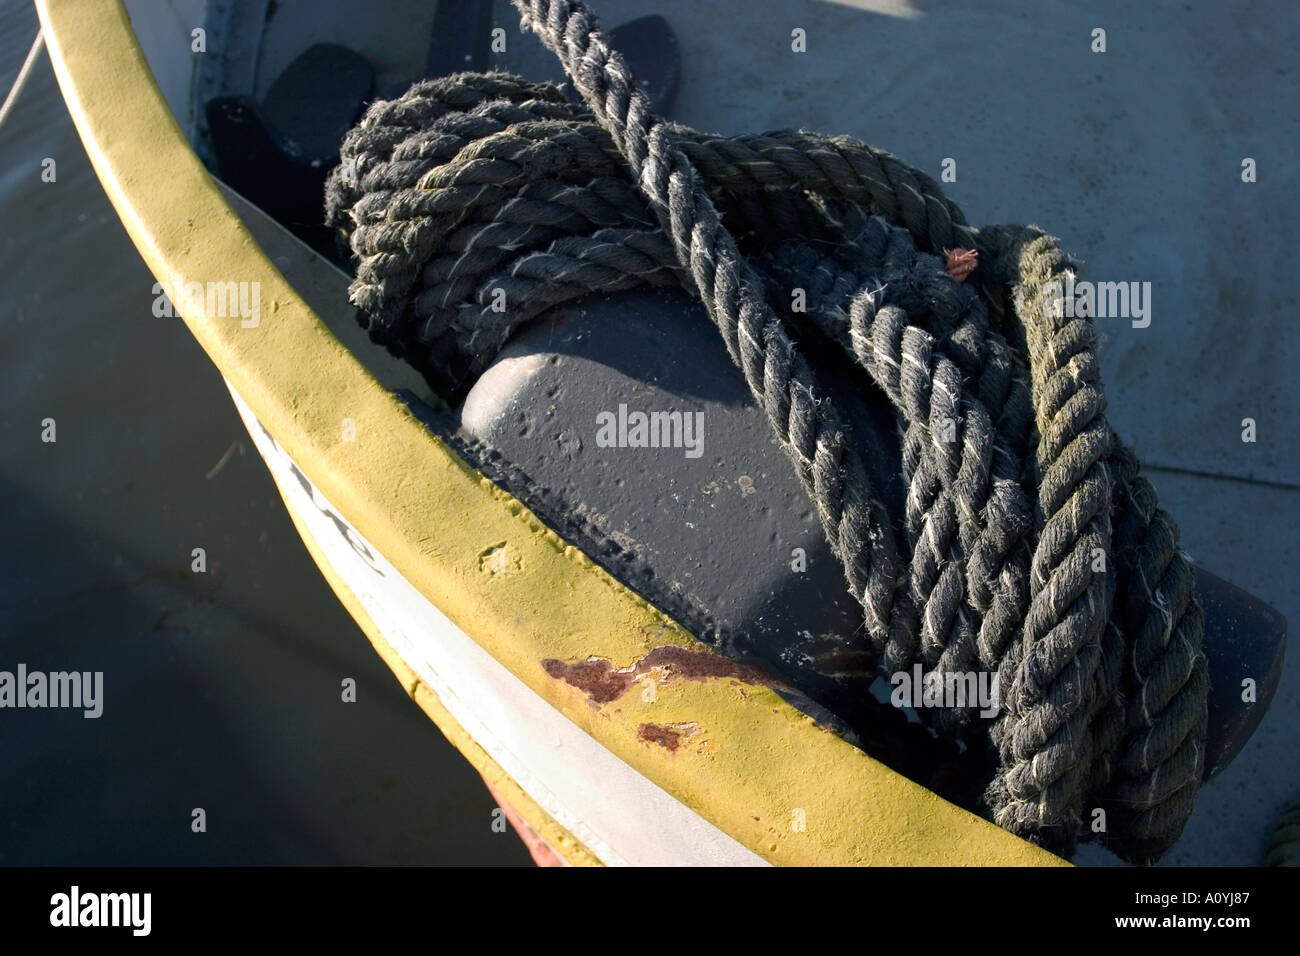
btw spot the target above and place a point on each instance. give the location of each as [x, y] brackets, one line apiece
[1031, 546]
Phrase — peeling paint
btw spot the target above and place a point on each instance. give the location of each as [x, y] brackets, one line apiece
[669, 736]
[500, 558]
[596, 677]
[603, 683]
[663, 736]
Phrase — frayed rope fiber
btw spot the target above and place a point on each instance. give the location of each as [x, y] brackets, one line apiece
[1031, 547]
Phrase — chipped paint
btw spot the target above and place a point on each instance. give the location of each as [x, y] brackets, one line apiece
[668, 736]
[500, 558]
[603, 683]
[663, 736]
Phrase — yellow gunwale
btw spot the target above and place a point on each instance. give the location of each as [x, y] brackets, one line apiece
[433, 517]
[560, 839]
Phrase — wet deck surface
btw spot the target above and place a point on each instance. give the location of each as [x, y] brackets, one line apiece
[223, 689]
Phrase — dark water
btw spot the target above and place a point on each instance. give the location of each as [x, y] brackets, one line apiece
[221, 690]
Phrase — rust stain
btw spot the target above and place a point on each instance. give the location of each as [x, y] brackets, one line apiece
[655, 734]
[596, 678]
[669, 736]
[603, 683]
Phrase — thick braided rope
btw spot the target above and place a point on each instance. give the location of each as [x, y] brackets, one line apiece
[442, 238]
[395, 232]
[955, 328]
[727, 288]
[1043, 784]
[1071, 724]
[1156, 771]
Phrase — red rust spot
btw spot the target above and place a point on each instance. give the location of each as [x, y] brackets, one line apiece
[597, 678]
[700, 665]
[663, 736]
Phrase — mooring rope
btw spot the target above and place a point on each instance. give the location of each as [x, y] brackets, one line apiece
[24, 74]
[1031, 546]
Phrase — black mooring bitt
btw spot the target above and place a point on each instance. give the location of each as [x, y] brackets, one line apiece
[716, 511]
[649, 47]
[462, 37]
[277, 152]
[1245, 643]
[462, 33]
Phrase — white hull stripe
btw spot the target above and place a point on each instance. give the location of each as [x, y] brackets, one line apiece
[618, 814]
